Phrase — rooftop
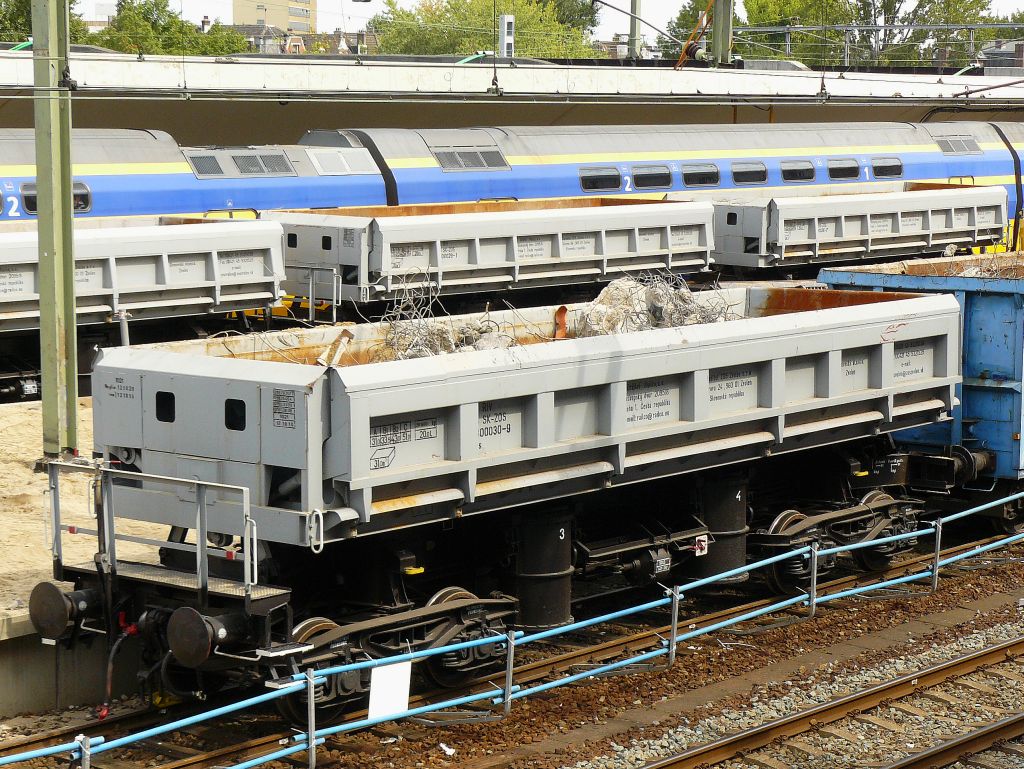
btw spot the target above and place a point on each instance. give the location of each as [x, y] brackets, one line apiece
[275, 77]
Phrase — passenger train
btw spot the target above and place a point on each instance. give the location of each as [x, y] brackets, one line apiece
[138, 172]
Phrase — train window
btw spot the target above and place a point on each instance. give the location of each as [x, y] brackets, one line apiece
[469, 159]
[81, 198]
[843, 168]
[164, 406]
[293, 240]
[958, 145]
[887, 168]
[276, 164]
[234, 414]
[206, 165]
[651, 177]
[448, 160]
[325, 242]
[797, 171]
[248, 164]
[593, 179]
[493, 159]
[749, 173]
[703, 175]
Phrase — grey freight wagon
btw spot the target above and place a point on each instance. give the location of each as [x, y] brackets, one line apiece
[150, 272]
[381, 254]
[346, 504]
[131, 271]
[828, 229]
[361, 446]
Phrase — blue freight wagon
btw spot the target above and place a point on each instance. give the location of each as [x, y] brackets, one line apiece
[984, 433]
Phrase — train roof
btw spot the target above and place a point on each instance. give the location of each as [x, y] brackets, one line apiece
[601, 141]
[96, 145]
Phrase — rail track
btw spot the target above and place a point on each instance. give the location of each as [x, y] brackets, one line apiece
[237, 742]
[994, 737]
[760, 746]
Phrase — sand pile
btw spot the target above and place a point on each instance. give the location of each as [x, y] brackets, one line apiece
[24, 535]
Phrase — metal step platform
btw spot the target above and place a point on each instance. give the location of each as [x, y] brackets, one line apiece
[155, 574]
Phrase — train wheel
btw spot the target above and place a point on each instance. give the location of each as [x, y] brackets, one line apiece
[293, 707]
[869, 558]
[1012, 522]
[788, 576]
[434, 668]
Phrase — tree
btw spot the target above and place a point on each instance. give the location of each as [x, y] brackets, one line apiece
[581, 14]
[151, 27]
[904, 45]
[222, 41]
[812, 47]
[683, 24]
[1017, 17]
[16, 21]
[129, 31]
[461, 27]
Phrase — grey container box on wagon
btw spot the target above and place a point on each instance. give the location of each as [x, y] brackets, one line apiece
[343, 255]
[362, 444]
[150, 272]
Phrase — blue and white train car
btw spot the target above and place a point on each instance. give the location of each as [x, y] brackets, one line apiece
[685, 162]
[129, 172]
[144, 173]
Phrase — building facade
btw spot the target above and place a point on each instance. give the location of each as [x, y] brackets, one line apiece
[289, 15]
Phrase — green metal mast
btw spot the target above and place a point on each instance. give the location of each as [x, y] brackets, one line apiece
[57, 332]
[721, 32]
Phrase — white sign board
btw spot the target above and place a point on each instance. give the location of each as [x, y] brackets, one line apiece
[389, 689]
[700, 545]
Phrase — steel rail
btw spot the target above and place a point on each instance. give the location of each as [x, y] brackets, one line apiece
[216, 756]
[950, 751]
[540, 669]
[526, 673]
[56, 736]
[646, 638]
[761, 736]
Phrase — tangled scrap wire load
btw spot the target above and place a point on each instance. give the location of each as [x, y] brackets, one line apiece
[410, 330]
[992, 265]
[994, 268]
[650, 300]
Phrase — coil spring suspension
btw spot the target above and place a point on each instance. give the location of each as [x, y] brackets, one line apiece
[455, 659]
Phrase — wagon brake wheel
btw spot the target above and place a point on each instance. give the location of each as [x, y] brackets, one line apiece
[786, 576]
[870, 558]
[433, 668]
[293, 707]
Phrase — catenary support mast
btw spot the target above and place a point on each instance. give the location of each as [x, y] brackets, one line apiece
[58, 338]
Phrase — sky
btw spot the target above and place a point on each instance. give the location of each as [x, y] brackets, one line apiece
[352, 16]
